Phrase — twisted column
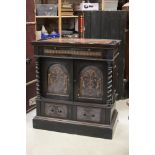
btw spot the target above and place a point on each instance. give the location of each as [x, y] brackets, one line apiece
[37, 79]
[109, 83]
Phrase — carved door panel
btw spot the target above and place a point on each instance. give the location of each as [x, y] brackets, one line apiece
[90, 82]
[56, 110]
[57, 79]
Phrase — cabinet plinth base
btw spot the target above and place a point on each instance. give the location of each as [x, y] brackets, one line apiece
[76, 127]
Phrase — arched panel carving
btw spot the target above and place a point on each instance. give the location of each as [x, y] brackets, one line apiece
[91, 82]
[58, 80]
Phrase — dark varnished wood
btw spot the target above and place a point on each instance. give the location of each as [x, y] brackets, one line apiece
[76, 86]
[76, 127]
[30, 61]
[81, 41]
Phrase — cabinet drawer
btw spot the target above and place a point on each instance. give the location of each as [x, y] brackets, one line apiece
[88, 114]
[56, 110]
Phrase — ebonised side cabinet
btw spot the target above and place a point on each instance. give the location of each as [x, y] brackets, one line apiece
[76, 86]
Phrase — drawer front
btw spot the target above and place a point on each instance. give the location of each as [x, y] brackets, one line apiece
[73, 52]
[88, 114]
[56, 110]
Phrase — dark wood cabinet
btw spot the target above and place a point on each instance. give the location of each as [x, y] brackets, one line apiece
[76, 86]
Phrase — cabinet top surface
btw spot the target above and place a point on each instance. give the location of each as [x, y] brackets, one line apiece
[79, 41]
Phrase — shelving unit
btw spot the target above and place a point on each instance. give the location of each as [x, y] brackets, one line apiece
[47, 17]
[58, 21]
[58, 18]
[69, 16]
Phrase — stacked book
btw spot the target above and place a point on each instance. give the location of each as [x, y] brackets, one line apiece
[67, 10]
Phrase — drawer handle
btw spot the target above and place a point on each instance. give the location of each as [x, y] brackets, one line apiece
[93, 115]
[60, 111]
[52, 110]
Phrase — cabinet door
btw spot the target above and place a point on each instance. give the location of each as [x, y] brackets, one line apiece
[56, 78]
[90, 81]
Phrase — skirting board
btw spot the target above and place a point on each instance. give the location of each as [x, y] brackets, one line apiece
[76, 127]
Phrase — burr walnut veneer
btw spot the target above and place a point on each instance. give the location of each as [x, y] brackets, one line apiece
[76, 86]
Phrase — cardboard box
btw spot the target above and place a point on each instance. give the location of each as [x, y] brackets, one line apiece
[110, 5]
[46, 9]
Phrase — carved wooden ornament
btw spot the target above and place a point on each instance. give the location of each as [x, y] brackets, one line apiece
[91, 82]
[58, 80]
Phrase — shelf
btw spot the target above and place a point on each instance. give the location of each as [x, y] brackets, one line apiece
[59, 18]
[47, 16]
[56, 16]
[69, 16]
